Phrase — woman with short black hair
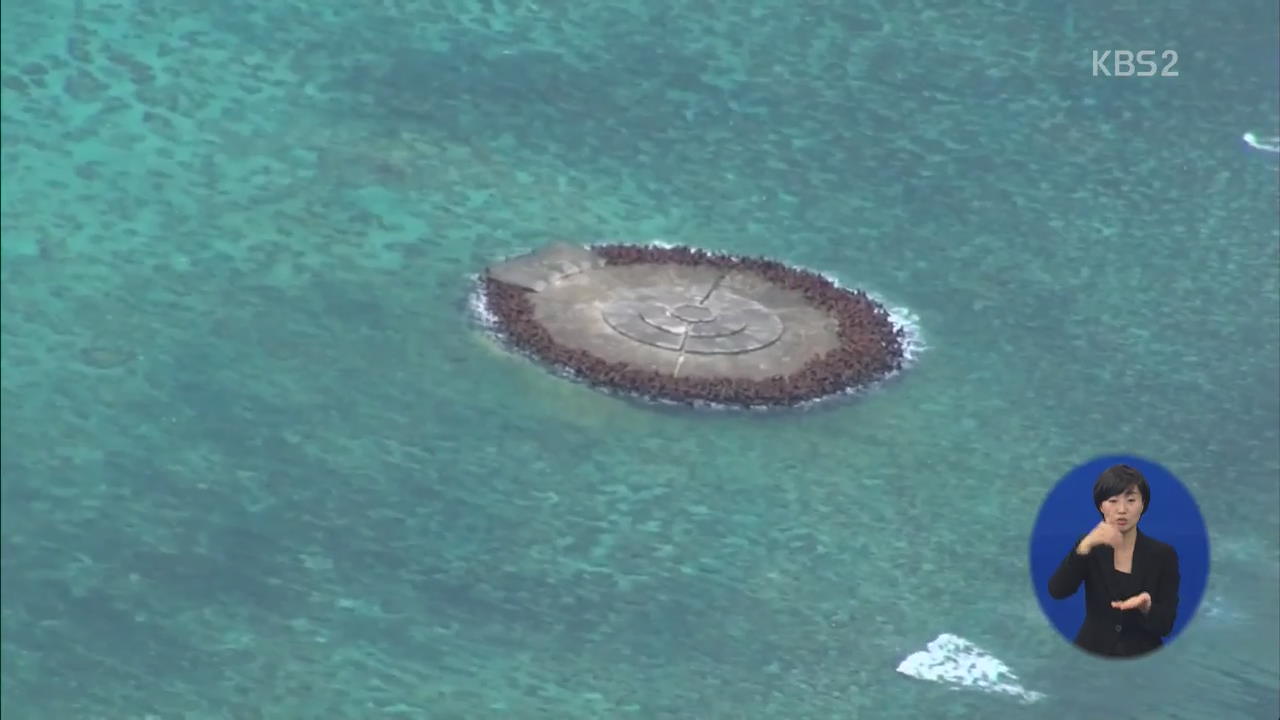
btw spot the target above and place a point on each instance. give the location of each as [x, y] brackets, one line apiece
[1130, 578]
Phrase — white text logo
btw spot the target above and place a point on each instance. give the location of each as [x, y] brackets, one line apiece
[1131, 63]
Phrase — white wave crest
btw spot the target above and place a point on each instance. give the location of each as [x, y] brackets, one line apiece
[952, 660]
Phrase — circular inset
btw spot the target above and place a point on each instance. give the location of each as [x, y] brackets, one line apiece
[1119, 556]
[685, 325]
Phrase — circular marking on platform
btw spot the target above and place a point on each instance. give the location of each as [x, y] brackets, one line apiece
[692, 313]
[726, 323]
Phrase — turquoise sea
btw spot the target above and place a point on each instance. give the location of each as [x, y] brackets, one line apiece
[260, 462]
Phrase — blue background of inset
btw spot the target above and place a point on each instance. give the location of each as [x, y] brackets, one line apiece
[1068, 513]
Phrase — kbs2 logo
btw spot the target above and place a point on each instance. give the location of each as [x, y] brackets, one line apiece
[1127, 63]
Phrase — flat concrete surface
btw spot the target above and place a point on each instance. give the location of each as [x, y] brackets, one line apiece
[538, 269]
[681, 320]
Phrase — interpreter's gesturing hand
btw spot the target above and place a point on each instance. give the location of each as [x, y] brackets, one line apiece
[1105, 533]
[1101, 534]
[1140, 602]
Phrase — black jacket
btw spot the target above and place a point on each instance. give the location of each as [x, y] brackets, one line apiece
[1121, 633]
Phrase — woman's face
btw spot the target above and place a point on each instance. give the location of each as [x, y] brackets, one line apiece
[1123, 510]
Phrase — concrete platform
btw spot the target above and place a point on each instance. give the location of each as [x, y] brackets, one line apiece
[686, 321]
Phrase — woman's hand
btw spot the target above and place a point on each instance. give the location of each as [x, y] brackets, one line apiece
[1101, 534]
[1140, 602]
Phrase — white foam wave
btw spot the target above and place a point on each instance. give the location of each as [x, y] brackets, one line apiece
[954, 661]
[478, 303]
[1269, 144]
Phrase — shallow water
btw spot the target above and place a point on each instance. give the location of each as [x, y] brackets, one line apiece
[259, 461]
